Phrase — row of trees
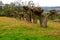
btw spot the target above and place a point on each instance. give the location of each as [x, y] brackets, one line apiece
[37, 13]
[28, 12]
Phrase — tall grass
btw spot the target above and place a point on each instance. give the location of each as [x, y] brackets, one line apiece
[12, 29]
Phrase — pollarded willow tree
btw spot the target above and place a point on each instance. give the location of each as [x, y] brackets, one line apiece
[27, 13]
[38, 11]
[43, 18]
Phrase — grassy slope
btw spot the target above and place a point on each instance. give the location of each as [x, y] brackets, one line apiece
[12, 29]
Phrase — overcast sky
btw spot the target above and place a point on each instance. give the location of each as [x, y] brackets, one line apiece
[41, 2]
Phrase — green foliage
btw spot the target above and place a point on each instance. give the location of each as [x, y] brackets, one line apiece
[57, 16]
[18, 8]
[9, 10]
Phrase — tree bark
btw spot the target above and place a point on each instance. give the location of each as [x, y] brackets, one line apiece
[43, 21]
[34, 19]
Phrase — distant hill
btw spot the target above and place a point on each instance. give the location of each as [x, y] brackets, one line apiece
[49, 8]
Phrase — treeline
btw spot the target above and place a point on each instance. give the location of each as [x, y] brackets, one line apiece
[9, 10]
[29, 13]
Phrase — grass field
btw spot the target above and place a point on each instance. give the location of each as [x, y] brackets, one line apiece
[12, 29]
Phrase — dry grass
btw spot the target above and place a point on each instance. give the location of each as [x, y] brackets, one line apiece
[12, 22]
[54, 24]
[17, 22]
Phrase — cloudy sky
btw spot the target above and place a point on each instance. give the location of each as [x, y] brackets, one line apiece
[41, 2]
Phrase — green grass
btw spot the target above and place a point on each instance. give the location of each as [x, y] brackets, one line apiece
[12, 30]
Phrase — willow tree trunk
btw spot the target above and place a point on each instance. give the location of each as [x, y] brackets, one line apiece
[34, 18]
[43, 21]
[28, 16]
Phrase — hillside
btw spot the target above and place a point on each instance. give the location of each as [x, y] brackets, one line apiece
[13, 29]
[49, 8]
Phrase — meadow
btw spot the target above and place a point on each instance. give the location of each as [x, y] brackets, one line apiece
[13, 29]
